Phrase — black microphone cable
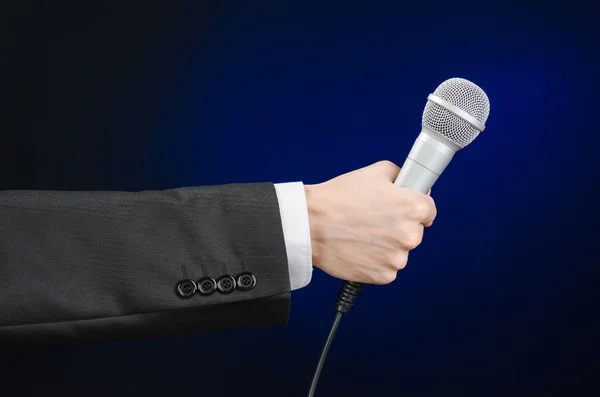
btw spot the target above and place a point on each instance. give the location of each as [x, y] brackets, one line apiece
[345, 300]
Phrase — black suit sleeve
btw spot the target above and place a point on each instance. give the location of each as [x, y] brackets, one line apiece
[101, 265]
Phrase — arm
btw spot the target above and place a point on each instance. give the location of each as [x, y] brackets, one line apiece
[99, 265]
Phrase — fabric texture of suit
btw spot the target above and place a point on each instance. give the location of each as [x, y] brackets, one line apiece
[102, 265]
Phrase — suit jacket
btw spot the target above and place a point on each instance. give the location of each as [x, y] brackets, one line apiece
[100, 265]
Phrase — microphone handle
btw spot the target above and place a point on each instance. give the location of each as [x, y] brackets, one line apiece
[426, 161]
[416, 177]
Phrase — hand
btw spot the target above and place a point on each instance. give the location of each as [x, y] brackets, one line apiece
[362, 225]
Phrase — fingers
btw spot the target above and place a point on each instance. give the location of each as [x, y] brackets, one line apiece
[411, 237]
[416, 206]
[423, 207]
[428, 221]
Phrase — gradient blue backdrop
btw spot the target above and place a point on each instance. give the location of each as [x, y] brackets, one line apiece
[501, 299]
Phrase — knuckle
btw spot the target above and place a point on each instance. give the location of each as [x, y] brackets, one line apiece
[431, 201]
[384, 277]
[433, 207]
[398, 238]
[413, 239]
[399, 260]
[421, 209]
[387, 165]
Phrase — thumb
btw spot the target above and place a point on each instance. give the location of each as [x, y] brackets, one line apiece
[387, 169]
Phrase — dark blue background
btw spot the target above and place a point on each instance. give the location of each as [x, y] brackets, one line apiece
[501, 299]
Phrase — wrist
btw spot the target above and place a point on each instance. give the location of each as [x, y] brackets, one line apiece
[315, 214]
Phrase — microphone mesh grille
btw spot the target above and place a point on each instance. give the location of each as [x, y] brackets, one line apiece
[464, 95]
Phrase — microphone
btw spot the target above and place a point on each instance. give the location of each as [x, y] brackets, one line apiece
[454, 116]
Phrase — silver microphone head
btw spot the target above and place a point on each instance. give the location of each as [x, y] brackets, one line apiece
[457, 110]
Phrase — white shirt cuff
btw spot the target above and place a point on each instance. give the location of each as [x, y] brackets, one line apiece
[296, 232]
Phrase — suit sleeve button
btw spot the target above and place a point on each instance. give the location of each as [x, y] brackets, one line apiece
[186, 289]
[207, 286]
[226, 284]
[246, 281]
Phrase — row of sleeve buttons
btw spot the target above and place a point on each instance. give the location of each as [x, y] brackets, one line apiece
[207, 286]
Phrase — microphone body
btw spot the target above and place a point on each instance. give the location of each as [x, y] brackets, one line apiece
[426, 161]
